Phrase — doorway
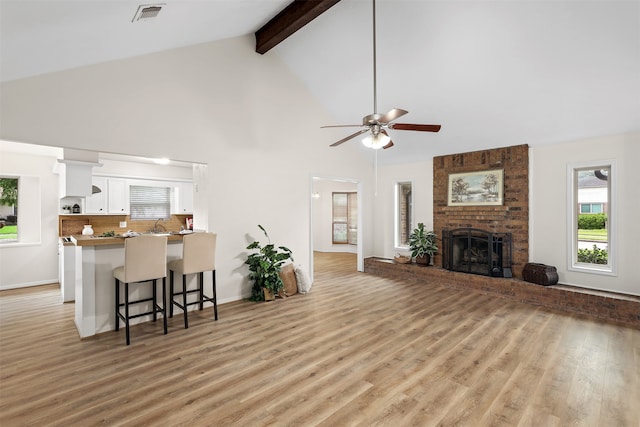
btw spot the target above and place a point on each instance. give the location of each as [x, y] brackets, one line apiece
[321, 233]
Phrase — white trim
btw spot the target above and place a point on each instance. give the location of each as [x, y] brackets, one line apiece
[360, 196]
[396, 224]
[29, 284]
[572, 217]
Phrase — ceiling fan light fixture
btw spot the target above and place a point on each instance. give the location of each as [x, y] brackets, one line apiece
[376, 141]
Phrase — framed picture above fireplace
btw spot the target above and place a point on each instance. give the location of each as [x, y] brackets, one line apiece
[476, 188]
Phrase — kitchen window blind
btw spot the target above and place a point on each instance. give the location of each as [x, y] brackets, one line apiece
[150, 202]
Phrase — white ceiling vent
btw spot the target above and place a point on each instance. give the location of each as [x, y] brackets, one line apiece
[147, 11]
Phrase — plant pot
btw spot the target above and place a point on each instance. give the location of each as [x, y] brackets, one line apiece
[423, 259]
[268, 295]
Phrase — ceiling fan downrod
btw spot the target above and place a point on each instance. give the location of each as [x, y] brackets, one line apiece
[375, 76]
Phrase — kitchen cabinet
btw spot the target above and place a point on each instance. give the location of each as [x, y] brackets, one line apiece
[117, 196]
[74, 178]
[185, 198]
[97, 202]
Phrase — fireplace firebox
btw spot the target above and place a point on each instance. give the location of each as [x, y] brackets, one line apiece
[475, 251]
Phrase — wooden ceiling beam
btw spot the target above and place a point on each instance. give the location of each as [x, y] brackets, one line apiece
[288, 21]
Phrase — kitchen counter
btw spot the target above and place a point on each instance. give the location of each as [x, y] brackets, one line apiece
[82, 240]
[94, 259]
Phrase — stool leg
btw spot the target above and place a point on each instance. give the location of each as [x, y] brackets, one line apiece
[171, 294]
[164, 303]
[155, 301]
[215, 296]
[184, 300]
[117, 305]
[201, 287]
[126, 311]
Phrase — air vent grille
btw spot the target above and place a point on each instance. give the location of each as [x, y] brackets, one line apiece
[147, 11]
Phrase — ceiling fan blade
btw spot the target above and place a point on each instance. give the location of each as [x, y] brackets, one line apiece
[390, 143]
[393, 114]
[410, 126]
[340, 126]
[360, 132]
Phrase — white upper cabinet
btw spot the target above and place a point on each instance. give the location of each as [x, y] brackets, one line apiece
[75, 178]
[117, 196]
[185, 198]
[97, 202]
[182, 200]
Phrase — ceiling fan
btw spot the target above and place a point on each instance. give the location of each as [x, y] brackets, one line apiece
[377, 124]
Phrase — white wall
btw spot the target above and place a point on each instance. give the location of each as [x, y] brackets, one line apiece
[323, 215]
[548, 207]
[34, 263]
[142, 170]
[421, 177]
[244, 115]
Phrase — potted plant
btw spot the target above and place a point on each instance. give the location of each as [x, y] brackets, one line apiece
[264, 266]
[66, 209]
[422, 244]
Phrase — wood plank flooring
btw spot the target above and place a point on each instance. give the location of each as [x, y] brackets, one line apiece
[358, 350]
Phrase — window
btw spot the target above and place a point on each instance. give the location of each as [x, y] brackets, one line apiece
[592, 222]
[8, 210]
[404, 214]
[150, 202]
[588, 208]
[345, 218]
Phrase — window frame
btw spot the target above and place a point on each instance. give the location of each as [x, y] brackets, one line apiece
[573, 211]
[133, 206]
[352, 196]
[29, 206]
[397, 215]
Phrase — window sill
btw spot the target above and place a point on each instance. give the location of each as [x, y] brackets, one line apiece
[604, 270]
[19, 244]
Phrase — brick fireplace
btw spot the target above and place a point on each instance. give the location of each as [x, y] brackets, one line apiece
[510, 217]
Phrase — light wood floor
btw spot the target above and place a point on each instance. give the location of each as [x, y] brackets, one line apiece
[358, 350]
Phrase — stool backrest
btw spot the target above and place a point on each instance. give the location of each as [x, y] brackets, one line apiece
[199, 252]
[145, 258]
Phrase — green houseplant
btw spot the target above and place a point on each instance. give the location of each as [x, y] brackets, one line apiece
[264, 267]
[422, 244]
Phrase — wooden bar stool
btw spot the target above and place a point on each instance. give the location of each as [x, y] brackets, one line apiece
[198, 256]
[145, 260]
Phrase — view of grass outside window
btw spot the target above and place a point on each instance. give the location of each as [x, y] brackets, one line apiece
[593, 189]
[8, 209]
[403, 213]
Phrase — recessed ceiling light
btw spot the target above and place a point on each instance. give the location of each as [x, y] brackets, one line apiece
[161, 161]
[147, 11]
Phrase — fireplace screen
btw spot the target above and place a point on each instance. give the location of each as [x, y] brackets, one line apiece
[470, 250]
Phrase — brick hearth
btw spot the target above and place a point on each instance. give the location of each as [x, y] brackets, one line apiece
[618, 308]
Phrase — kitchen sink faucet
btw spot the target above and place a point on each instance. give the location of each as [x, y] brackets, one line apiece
[157, 228]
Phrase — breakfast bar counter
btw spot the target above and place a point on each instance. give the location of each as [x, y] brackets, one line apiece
[95, 258]
[81, 240]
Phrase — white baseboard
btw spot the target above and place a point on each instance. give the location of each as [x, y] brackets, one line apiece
[28, 284]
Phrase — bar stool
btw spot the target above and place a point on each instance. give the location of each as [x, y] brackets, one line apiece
[145, 260]
[198, 256]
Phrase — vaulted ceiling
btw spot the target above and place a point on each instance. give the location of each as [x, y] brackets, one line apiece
[491, 73]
